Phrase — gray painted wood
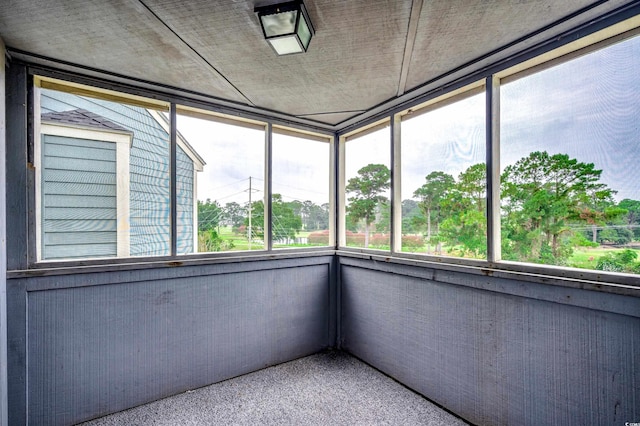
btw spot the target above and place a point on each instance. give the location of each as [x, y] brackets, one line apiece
[496, 358]
[16, 170]
[103, 348]
[17, 351]
[76, 168]
[3, 246]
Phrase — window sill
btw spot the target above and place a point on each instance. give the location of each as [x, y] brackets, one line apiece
[71, 267]
[622, 284]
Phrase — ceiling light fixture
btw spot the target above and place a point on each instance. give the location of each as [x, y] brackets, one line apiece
[286, 26]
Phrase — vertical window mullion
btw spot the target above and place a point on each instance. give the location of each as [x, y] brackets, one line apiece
[396, 185]
[342, 199]
[268, 213]
[173, 197]
[493, 168]
[334, 172]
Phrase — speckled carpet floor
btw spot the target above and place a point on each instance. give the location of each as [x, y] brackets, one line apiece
[330, 388]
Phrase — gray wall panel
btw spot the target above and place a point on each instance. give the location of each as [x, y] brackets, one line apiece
[495, 358]
[3, 246]
[97, 349]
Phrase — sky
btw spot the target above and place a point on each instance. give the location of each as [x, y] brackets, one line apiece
[588, 108]
[233, 154]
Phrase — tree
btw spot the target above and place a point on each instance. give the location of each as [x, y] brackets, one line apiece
[234, 214]
[372, 180]
[599, 209]
[542, 195]
[285, 224]
[314, 217]
[632, 217]
[431, 194]
[412, 218]
[298, 208]
[209, 215]
[473, 184]
[463, 207]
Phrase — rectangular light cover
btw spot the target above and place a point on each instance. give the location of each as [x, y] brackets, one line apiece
[286, 45]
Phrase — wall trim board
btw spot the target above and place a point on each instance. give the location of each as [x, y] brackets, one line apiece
[3, 244]
[46, 283]
[444, 265]
[135, 264]
[602, 301]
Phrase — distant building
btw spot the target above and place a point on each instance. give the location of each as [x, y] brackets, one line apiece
[104, 173]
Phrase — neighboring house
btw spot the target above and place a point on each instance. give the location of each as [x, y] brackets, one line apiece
[104, 173]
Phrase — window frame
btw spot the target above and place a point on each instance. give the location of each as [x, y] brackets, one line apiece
[314, 137]
[577, 40]
[343, 139]
[491, 80]
[76, 84]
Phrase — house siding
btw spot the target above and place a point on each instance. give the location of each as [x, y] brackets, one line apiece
[78, 198]
[149, 213]
[184, 189]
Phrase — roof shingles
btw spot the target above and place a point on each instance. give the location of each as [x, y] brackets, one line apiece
[84, 118]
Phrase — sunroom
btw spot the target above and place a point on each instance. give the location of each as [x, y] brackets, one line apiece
[443, 193]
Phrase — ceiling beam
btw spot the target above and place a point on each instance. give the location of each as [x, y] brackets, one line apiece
[191, 48]
[416, 9]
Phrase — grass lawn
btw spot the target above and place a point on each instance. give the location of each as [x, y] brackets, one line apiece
[587, 258]
[583, 257]
[240, 242]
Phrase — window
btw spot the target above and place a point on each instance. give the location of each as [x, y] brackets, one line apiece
[300, 200]
[367, 188]
[564, 147]
[569, 148]
[444, 177]
[228, 190]
[102, 167]
[103, 170]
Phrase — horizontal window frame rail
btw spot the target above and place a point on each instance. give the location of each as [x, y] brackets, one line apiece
[535, 274]
[46, 269]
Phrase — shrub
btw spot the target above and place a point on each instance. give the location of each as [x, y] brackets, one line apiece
[209, 241]
[412, 241]
[619, 261]
[355, 238]
[319, 237]
[379, 240]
